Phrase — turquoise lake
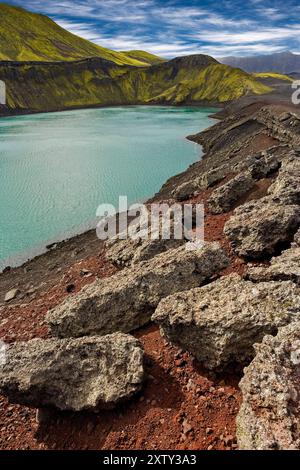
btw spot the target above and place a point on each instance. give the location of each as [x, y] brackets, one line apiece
[56, 168]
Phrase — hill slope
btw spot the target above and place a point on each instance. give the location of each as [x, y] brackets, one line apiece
[26, 36]
[283, 62]
[145, 57]
[96, 82]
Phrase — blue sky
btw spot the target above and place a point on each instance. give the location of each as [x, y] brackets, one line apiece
[172, 28]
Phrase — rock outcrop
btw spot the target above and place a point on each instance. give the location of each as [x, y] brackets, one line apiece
[286, 187]
[282, 268]
[220, 322]
[257, 228]
[127, 300]
[269, 416]
[226, 196]
[200, 183]
[73, 374]
[129, 251]
[297, 238]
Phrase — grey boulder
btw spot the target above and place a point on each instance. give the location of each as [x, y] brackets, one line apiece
[257, 228]
[220, 322]
[148, 243]
[126, 301]
[282, 268]
[286, 187]
[269, 416]
[199, 183]
[73, 374]
[226, 196]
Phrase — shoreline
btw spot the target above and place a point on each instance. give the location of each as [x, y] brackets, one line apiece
[104, 106]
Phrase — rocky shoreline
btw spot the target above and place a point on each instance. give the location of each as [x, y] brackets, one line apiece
[198, 318]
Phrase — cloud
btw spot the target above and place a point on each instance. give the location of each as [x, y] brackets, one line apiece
[173, 27]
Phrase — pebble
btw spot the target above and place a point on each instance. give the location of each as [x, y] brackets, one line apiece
[187, 427]
[11, 295]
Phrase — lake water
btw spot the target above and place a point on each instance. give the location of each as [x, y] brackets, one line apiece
[55, 169]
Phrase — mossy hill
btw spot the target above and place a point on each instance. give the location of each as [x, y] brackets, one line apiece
[96, 82]
[28, 36]
[145, 57]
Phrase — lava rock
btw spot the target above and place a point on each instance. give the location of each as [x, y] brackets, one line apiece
[11, 295]
[126, 301]
[226, 196]
[73, 374]
[282, 268]
[220, 322]
[286, 187]
[257, 228]
[269, 416]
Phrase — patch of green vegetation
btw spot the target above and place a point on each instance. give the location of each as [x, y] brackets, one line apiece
[26, 36]
[145, 57]
[278, 76]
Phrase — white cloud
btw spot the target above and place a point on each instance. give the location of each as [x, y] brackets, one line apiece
[177, 29]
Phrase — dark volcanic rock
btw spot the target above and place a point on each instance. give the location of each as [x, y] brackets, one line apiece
[127, 300]
[286, 187]
[73, 374]
[269, 415]
[220, 322]
[282, 268]
[257, 228]
[227, 195]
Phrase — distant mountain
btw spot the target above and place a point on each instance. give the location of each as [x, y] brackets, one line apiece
[26, 36]
[144, 57]
[282, 62]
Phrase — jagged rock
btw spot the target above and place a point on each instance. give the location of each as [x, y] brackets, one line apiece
[282, 268]
[73, 374]
[259, 165]
[187, 189]
[297, 238]
[213, 176]
[127, 300]
[226, 196]
[257, 228]
[11, 295]
[286, 187]
[129, 252]
[206, 180]
[220, 322]
[269, 416]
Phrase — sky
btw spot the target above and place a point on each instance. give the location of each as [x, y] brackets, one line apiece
[172, 28]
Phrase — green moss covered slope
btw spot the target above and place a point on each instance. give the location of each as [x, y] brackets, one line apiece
[26, 36]
[145, 57]
[96, 82]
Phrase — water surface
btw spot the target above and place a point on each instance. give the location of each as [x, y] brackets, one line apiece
[55, 169]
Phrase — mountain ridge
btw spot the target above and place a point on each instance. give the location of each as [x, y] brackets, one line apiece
[280, 62]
